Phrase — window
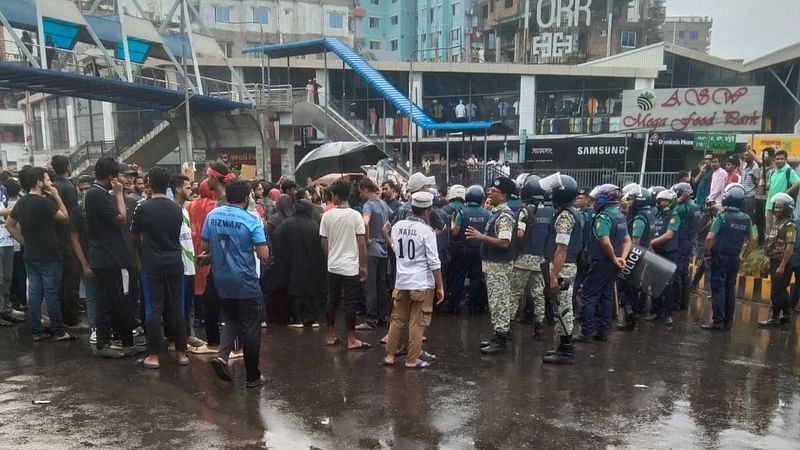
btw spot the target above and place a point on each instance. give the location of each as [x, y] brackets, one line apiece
[628, 39]
[394, 44]
[453, 9]
[681, 35]
[375, 2]
[509, 3]
[374, 22]
[393, 20]
[485, 11]
[634, 14]
[253, 55]
[222, 14]
[336, 20]
[227, 48]
[261, 15]
[454, 34]
[374, 45]
[694, 35]
[431, 15]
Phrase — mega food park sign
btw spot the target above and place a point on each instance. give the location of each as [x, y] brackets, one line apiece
[701, 109]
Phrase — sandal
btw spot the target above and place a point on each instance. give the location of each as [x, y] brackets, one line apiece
[387, 363]
[142, 364]
[335, 342]
[362, 346]
[41, 337]
[425, 356]
[418, 365]
[183, 361]
[365, 327]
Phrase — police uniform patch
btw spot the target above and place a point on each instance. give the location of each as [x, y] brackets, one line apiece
[597, 225]
[672, 221]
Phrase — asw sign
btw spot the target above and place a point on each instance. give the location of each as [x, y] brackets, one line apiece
[737, 108]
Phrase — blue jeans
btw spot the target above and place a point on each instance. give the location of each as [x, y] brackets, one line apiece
[44, 283]
[90, 284]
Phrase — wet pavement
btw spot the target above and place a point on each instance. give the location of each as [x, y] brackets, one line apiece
[654, 388]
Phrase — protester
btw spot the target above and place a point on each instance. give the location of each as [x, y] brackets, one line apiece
[109, 254]
[376, 223]
[38, 214]
[343, 240]
[232, 238]
[750, 177]
[300, 265]
[782, 179]
[8, 315]
[418, 281]
[717, 180]
[156, 227]
[79, 235]
[703, 180]
[389, 193]
[732, 168]
[283, 210]
[71, 277]
[198, 211]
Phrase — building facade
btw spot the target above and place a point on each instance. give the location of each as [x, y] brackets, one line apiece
[692, 32]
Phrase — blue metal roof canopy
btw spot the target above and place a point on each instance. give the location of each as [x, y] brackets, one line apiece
[16, 76]
[57, 24]
[377, 82]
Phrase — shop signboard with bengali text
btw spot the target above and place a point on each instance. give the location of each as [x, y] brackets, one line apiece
[698, 110]
[788, 142]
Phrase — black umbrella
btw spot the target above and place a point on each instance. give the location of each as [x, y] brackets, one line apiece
[337, 157]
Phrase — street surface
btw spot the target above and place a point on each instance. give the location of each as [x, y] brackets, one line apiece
[653, 388]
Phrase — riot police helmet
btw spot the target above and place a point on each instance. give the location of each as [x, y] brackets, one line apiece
[733, 197]
[532, 190]
[474, 195]
[565, 195]
[786, 200]
[606, 195]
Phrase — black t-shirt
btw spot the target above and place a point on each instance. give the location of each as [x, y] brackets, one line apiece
[77, 224]
[36, 217]
[108, 247]
[69, 195]
[158, 221]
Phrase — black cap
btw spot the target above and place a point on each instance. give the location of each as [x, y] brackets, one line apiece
[584, 191]
[505, 185]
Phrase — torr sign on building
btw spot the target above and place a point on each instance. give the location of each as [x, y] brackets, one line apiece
[737, 108]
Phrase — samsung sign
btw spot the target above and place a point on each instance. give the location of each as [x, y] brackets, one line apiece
[702, 109]
[581, 152]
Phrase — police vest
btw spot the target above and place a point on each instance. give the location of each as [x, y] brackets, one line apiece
[536, 230]
[648, 218]
[619, 228]
[587, 216]
[496, 254]
[689, 220]
[575, 238]
[475, 217]
[515, 205]
[659, 228]
[732, 233]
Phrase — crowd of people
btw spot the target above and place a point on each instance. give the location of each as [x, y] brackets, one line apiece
[154, 258]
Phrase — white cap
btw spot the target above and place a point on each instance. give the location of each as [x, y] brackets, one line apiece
[418, 181]
[422, 199]
[457, 191]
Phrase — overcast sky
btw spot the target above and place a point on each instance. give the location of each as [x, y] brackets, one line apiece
[745, 29]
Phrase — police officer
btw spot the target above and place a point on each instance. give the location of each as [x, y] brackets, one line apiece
[690, 214]
[582, 203]
[640, 222]
[608, 247]
[666, 243]
[779, 247]
[455, 249]
[563, 245]
[497, 253]
[730, 230]
[532, 224]
[469, 267]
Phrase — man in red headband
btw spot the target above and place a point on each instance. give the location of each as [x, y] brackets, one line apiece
[218, 176]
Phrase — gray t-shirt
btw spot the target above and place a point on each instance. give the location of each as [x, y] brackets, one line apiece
[379, 213]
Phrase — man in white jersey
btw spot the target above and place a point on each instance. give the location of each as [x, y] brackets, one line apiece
[418, 279]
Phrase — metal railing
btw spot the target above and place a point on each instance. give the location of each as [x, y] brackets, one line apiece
[92, 62]
[93, 150]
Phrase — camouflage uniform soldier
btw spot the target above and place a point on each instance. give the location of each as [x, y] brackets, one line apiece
[779, 247]
[532, 224]
[497, 252]
[564, 245]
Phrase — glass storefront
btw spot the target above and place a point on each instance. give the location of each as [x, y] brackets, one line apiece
[57, 122]
[579, 105]
[89, 120]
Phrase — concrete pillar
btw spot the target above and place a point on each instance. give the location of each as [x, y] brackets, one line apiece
[644, 83]
[416, 97]
[285, 140]
[109, 120]
[72, 131]
[527, 104]
[47, 145]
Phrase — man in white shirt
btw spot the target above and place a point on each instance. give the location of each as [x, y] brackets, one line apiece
[717, 180]
[418, 278]
[344, 243]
